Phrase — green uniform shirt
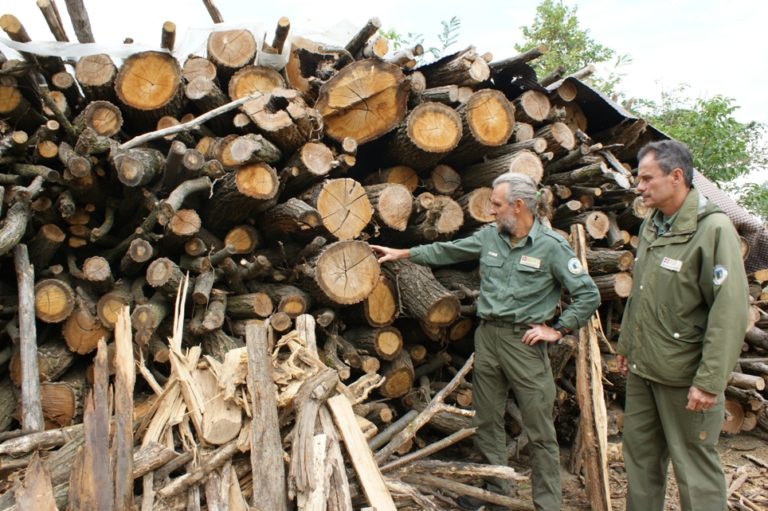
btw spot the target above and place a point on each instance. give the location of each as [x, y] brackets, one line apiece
[685, 319]
[520, 284]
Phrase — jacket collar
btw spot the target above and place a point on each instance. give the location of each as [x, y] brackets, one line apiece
[686, 220]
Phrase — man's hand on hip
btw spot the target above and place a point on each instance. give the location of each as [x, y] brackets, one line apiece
[699, 400]
[540, 333]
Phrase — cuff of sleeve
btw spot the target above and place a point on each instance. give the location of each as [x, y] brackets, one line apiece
[707, 385]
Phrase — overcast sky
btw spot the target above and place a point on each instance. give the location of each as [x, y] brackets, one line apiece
[715, 47]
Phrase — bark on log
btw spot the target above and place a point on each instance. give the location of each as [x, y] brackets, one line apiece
[229, 50]
[462, 68]
[422, 296]
[613, 286]
[385, 342]
[392, 204]
[429, 133]
[146, 100]
[483, 173]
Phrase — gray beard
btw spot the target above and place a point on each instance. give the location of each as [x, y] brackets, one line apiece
[507, 227]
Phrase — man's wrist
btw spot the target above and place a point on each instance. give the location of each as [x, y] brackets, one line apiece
[561, 328]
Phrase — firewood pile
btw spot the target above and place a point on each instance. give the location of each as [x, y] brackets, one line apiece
[191, 313]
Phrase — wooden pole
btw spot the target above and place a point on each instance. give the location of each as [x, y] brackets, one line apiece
[31, 406]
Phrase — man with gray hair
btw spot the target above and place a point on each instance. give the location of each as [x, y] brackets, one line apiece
[681, 335]
[523, 268]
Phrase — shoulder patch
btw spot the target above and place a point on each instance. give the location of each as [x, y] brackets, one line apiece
[574, 266]
[719, 274]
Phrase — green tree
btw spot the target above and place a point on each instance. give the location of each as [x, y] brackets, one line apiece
[569, 47]
[723, 148]
[447, 37]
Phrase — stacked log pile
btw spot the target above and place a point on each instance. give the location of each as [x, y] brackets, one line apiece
[205, 223]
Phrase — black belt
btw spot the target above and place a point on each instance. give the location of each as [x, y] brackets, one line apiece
[500, 323]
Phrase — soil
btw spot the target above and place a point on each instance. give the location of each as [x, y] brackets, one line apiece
[744, 459]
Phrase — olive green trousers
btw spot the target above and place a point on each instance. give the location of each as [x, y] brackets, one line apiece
[657, 428]
[503, 362]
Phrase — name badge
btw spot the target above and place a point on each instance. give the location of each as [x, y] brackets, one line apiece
[531, 262]
[492, 254]
[671, 264]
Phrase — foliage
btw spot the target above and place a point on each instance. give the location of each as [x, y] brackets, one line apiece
[569, 47]
[447, 37]
[723, 148]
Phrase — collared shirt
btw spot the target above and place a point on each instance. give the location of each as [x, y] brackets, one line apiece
[663, 223]
[521, 283]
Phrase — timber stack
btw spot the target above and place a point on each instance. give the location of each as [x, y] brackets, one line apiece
[195, 232]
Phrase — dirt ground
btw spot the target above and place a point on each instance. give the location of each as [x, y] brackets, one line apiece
[744, 458]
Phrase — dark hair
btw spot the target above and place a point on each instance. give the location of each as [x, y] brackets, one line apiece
[670, 155]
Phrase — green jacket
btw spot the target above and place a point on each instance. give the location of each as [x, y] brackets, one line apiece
[520, 284]
[685, 320]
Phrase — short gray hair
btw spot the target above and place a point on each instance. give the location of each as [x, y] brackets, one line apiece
[670, 155]
[520, 187]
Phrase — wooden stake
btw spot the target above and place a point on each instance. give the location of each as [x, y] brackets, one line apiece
[31, 407]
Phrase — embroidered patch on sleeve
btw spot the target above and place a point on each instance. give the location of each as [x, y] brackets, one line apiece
[574, 266]
[719, 274]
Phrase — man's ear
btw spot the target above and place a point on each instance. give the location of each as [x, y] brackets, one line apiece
[678, 175]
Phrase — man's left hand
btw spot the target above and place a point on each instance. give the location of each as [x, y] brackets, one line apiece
[540, 333]
[699, 400]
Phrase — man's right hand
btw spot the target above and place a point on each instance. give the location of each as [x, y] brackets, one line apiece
[390, 254]
[623, 364]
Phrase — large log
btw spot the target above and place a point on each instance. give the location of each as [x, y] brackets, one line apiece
[343, 206]
[430, 132]
[483, 173]
[345, 272]
[147, 99]
[422, 296]
[230, 50]
[363, 101]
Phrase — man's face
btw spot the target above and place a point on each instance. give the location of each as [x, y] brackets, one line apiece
[656, 187]
[503, 211]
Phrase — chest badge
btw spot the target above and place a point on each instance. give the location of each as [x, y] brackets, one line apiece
[574, 266]
[531, 262]
[671, 264]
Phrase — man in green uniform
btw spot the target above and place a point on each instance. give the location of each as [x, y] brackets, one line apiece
[682, 331]
[523, 267]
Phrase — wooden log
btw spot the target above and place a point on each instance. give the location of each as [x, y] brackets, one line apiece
[757, 337]
[78, 15]
[746, 381]
[145, 101]
[532, 107]
[488, 119]
[138, 166]
[196, 66]
[734, 418]
[429, 133]
[96, 75]
[392, 204]
[238, 194]
[285, 297]
[103, 117]
[307, 166]
[229, 50]
[54, 300]
[251, 79]
[289, 218]
[281, 34]
[421, 294]
[593, 416]
[343, 206]
[464, 68]
[14, 106]
[364, 100]
[399, 174]
[559, 136]
[596, 223]
[385, 342]
[283, 118]
[443, 180]
[31, 410]
[483, 173]
[380, 307]
[603, 262]
[434, 217]
[476, 206]
[613, 286]
[345, 272]
[310, 64]
[266, 449]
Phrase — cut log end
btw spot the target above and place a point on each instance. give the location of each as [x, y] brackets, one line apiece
[347, 272]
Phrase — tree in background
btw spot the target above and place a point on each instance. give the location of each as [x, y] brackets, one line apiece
[446, 38]
[724, 149]
[569, 47]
